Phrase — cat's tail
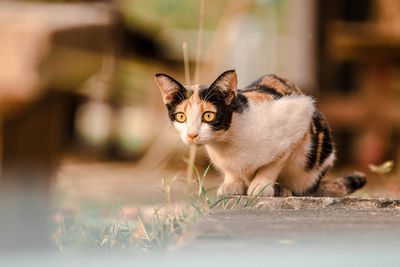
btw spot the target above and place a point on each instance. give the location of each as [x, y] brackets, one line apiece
[342, 186]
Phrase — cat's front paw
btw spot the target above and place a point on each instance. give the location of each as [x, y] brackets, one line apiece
[231, 188]
[255, 188]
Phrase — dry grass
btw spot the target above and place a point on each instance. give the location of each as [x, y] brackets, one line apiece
[156, 226]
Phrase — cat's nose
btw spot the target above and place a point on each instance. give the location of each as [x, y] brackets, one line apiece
[192, 136]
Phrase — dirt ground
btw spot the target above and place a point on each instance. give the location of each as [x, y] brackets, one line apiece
[129, 182]
[122, 183]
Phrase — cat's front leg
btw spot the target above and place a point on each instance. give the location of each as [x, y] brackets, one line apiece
[265, 178]
[232, 185]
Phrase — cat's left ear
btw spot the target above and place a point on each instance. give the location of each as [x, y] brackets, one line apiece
[226, 84]
[169, 87]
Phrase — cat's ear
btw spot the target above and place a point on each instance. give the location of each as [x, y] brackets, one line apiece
[226, 83]
[169, 87]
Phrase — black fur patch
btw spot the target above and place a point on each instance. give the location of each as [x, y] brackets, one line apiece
[177, 99]
[203, 87]
[223, 116]
[312, 154]
[269, 90]
[284, 81]
[320, 124]
[277, 190]
[327, 146]
[240, 103]
[315, 186]
[258, 87]
[355, 181]
[264, 89]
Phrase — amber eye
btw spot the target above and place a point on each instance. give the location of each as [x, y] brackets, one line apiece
[180, 117]
[208, 116]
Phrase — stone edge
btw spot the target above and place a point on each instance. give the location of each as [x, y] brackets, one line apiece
[311, 203]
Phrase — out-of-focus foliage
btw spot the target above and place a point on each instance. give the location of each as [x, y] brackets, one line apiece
[170, 13]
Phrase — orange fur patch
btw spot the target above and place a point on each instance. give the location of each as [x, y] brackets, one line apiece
[195, 100]
[284, 89]
[320, 139]
[182, 107]
[258, 97]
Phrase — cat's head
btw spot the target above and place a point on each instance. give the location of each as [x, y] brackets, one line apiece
[200, 114]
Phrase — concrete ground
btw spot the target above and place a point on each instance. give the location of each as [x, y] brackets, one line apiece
[300, 232]
[271, 232]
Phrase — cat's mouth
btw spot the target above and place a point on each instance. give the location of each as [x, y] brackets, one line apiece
[194, 142]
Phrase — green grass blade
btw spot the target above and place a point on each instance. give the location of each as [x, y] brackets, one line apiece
[197, 208]
[197, 172]
[206, 171]
[237, 201]
[219, 201]
[251, 193]
[251, 202]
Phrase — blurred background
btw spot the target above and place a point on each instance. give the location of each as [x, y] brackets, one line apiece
[83, 123]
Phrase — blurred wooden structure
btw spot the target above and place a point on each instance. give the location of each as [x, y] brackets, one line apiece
[47, 51]
[359, 66]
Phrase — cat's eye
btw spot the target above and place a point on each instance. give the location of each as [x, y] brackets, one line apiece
[208, 116]
[180, 117]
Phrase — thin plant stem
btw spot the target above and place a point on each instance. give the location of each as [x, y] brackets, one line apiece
[186, 62]
[199, 42]
[192, 153]
[192, 159]
[1, 147]
[193, 148]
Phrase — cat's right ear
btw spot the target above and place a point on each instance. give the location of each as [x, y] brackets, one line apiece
[169, 87]
[226, 84]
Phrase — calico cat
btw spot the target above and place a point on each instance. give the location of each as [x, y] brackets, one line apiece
[268, 136]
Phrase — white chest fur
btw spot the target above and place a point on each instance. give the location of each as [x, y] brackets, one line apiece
[262, 133]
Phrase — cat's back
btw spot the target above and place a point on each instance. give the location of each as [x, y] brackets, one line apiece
[270, 87]
[277, 115]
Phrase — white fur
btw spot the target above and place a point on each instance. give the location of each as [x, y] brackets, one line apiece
[268, 139]
[263, 132]
[260, 140]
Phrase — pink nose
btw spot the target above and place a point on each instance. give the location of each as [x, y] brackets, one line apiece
[192, 136]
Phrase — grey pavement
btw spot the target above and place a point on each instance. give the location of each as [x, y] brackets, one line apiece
[272, 232]
[300, 232]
